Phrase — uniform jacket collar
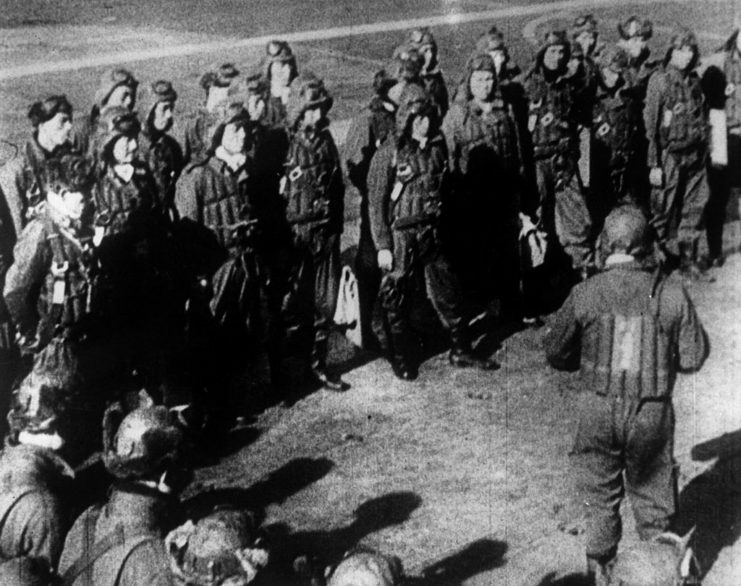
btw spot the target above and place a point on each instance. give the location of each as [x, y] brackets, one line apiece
[222, 168]
[37, 155]
[138, 506]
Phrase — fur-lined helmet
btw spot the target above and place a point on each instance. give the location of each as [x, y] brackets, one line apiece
[414, 101]
[367, 567]
[382, 83]
[143, 445]
[220, 120]
[112, 79]
[421, 37]
[221, 76]
[279, 52]
[491, 40]
[154, 93]
[114, 122]
[481, 61]
[307, 92]
[555, 38]
[71, 173]
[683, 36]
[409, 61]
[42, 404]
[223, 547]
[614, 58]
[626, 230]
[635, 27]
[254, 82]
[665, 560]
[586, 23]
[44, 110]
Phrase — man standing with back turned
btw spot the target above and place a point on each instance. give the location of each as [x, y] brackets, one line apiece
[629, 330]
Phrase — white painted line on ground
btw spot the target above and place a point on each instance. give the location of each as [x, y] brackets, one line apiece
[529, 31]
[454, 18]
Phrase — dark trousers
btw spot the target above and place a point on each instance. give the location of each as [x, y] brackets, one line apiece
[677, 209]
[229, 328]
[612, 185]
[725, 194]
[316, 282]
[368, 275]
[419, 264]
[624, 445]
[563, 210]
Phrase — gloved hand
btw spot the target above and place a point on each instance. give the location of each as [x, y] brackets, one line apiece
[656, 177]
[385, 260]
[28, 344]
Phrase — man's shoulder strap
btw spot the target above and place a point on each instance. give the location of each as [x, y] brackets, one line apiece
[11, 505]
[95, 549]
[133, 543]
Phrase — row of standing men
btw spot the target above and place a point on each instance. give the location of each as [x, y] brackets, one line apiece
[91, 281]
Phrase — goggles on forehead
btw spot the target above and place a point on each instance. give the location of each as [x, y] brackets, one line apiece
[421, 38]
[586, 20]
[126, 124]
[313, 93]
[162, 87]
[278, 50]
[123, 77]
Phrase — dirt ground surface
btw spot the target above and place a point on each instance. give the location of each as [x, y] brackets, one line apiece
[464, 475]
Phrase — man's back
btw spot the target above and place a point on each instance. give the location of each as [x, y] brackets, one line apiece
[125, 537]
[630, 330]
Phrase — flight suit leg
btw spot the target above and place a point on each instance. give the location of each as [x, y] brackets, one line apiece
[444, 292]
[369, 277]
[545, 184]
[715, 211]
[649, 467]
[665, 202]
[694, 200]
[395, 298]
[326, 271]
[572, 220]
[597, 459]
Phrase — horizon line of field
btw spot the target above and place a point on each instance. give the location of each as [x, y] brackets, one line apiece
[186, 49]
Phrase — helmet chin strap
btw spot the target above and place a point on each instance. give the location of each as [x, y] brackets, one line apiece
[159, 485]
[162, 485]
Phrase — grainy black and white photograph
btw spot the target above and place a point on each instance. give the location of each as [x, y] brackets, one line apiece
[382, 293]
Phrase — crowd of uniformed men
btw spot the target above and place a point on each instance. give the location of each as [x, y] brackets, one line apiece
[132, 260]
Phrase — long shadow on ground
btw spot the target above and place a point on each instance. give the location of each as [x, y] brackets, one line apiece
[326, 548]
[476, 558]
[279, 485]
[711, 502]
